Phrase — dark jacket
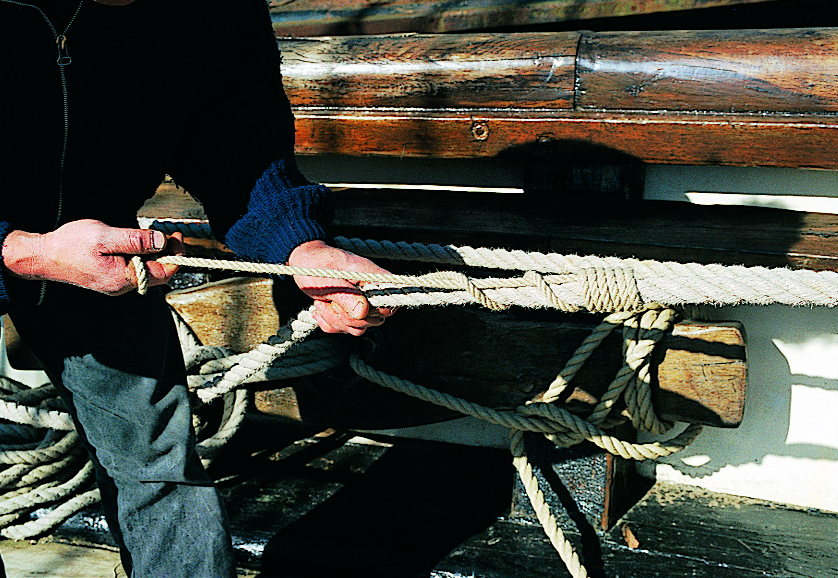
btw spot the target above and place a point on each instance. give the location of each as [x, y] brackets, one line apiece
[188, 88]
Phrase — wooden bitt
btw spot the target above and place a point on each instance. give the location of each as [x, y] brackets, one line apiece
[581, 484]
[502, 360]
[496, 359]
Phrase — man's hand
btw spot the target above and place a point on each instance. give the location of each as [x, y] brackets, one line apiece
[340, 305]
[89, 254]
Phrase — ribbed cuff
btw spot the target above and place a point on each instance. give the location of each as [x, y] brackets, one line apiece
[284, 211]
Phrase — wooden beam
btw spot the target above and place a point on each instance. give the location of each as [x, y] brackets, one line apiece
[736, 140]
[659, 230]
[754, 98]
[786, 71]
[342, 17]
[727, 71]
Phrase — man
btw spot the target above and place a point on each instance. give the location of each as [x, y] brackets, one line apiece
[100, 100]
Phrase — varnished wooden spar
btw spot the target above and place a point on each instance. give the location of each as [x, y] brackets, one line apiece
[748, 97]
[748, 71]
[316, 18]
[432, 72]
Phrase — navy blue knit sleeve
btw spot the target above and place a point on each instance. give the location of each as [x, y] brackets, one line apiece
[4, 295]
[284, 211]
[232, 137]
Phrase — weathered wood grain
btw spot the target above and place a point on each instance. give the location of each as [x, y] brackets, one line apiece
[647, 230]
[314, 18]
[707, 361]
[237, 313]
[759, 71]
[726, 98]
[432, 71]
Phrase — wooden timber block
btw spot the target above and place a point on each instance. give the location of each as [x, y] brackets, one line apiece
[237, 313]
[504, 359]
[707, 362]
[499, 360]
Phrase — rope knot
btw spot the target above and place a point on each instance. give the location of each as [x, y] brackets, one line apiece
[467, 284]
[609, 289]
[537, 280]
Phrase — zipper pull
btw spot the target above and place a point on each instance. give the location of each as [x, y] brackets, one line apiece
[63, 56]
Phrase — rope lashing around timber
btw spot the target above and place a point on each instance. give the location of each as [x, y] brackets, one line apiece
[627, 289]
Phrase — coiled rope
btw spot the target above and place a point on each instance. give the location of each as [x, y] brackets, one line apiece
[630, 290]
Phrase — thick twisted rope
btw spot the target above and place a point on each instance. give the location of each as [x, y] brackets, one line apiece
[50, 469]
[593, 284]
[548, 521]
[577, 283]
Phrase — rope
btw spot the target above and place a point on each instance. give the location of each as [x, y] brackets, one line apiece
[641, 331]
[142, 274]
[575, 283]
[628, 289]
[542, 510]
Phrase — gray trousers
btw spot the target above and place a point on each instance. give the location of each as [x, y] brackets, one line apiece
[117, 363]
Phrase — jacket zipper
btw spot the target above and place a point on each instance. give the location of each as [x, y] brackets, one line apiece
[62, 61]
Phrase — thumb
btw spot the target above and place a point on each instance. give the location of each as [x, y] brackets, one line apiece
[355, 304]
[134, 241]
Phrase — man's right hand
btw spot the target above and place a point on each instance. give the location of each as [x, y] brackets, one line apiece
[89, 254]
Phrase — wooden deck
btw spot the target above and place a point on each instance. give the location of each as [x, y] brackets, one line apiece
[329, 505]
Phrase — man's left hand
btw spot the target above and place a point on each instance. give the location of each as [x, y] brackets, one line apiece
[340, 307]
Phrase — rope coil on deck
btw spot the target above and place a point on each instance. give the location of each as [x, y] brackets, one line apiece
[628, 289]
